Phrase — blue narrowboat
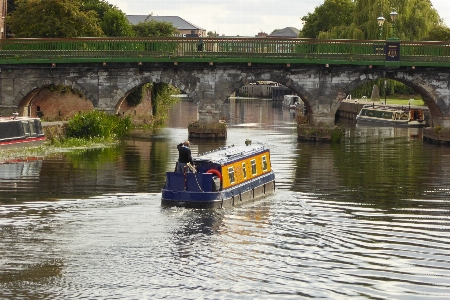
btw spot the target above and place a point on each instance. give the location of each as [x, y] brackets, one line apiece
[221, 178]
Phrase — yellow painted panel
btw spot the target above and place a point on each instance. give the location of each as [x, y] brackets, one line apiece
[238, 172]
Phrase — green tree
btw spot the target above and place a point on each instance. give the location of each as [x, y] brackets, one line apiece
[212, 34]
[116, 24]
[330, 14]
[154, 28]
[439, 33]
[113, 21]
[52, 19]
[99, 6]
[414, 22]
[357, 19]
[343, 32]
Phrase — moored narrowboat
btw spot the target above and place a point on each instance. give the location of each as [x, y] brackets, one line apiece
[391, 116]
[18, 131]
[290, 101]
[221, 178]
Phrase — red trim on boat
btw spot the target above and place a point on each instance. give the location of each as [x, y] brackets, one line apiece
[27, 140]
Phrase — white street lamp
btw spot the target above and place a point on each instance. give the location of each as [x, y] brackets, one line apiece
[394, 16]
[380, 21]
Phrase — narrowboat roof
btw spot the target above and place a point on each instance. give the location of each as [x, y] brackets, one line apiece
[387, 108]
[231, 153]
[10, 119]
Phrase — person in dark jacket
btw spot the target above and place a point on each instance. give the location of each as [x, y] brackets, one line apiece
[184, 157]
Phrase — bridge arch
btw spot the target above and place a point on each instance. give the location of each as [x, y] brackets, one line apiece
[24, 100]
[430, 94]
[28, 92]
[420, 82]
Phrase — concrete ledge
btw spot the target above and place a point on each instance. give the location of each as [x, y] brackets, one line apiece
[436, 136]
[306, 132]
[54, 130]
[216, 130]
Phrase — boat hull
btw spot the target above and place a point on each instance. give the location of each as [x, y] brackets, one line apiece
[247, 192]
[22, 142]
[396, 123]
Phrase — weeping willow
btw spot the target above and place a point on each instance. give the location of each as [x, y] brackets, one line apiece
[416, 20]
[391, 88]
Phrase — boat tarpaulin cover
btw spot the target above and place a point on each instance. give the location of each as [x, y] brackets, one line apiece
[11, 130]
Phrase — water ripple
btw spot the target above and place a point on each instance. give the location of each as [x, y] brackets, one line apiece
[337, 227]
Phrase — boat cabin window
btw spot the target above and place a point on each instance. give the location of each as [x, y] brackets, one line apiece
[253, 162]
[382, 114]
[366, 112]
[244, 170]
[32, 128]
[26, 128]
[264, 163]
[386, 114]
[231, 174]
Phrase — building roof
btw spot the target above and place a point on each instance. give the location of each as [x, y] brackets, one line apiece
[288, 32]
[179, 23]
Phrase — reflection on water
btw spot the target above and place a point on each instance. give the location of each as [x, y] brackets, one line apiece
[364, 219]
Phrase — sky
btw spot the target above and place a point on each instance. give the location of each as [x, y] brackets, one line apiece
[240, 17]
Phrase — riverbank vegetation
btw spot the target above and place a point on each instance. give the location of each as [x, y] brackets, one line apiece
[96, 126]
[88, 129]
[93, 129]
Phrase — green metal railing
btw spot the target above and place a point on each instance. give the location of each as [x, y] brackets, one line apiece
[220, 50]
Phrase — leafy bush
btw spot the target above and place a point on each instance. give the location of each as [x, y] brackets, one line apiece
[98, 125]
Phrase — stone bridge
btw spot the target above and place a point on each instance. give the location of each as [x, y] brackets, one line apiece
[321, 87]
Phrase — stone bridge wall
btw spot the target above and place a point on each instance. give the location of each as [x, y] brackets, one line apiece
[321, 88]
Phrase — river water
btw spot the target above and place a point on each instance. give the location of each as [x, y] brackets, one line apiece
[366, 219]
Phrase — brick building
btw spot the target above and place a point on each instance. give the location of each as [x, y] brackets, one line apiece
[260, 89]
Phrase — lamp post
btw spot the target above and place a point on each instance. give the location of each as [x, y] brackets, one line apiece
[380, 21]
[394, 16]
